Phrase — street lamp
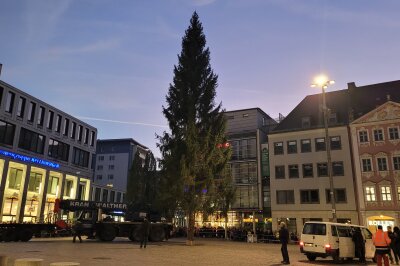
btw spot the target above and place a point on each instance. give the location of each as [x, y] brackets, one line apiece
[323, 82]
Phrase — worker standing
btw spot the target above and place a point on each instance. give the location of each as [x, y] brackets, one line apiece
[381, 242]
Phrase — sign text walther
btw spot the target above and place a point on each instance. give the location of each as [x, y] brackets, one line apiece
[97, 205]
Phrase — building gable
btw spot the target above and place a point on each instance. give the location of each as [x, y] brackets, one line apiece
[387, 111]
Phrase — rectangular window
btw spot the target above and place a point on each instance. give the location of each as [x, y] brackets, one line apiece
[285, 197]
[97, 194]
[393, 133]
[92, 136]
[320, 144]
[73, 130]
[35, 180]
[15, 178]
[366, 165]
[382, 164]
[105, 195]
[292, 147]
[86, 136]
[58, 123]
[50, 120]
[52, 187]
[337, 169]
[336, 143]
[58, 150]
[112, 157]
[378, 135]
[80, 129]
[278, 148]
[31, 111]
[69, 184]
[80, 157]
[398, 193]
[118, 196]
[279, 171]
[308, 170]
[110, 177]
[10, 102]
[386, 193]
[112, 196]
[305, 145]
[322, 169]
[340, 195]
[309, 196]
[99, 177]
[305, 122]
[101, 158]
[100, 167]
[7, 132]
[111, 167]
[370, 194]
[66, 127]
[21, 107]
[1, 94]
[31, 141]
[293, 171]
[363, 136]
[332, 118]
[396, 162]
[40, 120]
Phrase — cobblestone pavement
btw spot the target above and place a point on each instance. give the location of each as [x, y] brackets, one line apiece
[172, 252]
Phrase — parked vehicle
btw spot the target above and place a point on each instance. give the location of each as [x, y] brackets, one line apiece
[325, 239]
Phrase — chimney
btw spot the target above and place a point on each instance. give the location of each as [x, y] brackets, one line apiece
[351, 85]
[1, 66]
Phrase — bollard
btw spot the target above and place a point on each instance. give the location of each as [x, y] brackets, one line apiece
[28, 262]
[3, 260]
[65, 263]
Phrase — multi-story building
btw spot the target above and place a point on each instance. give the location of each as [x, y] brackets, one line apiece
[247, 134]
[376, 153]
[113, 161]
[45, 155]
[299, 183]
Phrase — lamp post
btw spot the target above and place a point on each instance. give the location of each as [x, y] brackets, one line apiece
[323, 82]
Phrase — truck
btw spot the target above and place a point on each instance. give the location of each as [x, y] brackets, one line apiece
[96, 221]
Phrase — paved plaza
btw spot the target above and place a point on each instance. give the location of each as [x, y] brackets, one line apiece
[173, 252]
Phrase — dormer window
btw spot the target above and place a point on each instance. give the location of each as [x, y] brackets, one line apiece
[305, 122]
[332, 118]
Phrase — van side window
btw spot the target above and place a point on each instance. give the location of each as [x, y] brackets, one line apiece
[344, 231]
[314, 229]
[367, 233]
[333, 229]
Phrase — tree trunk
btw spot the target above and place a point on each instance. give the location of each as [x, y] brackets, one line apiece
[226, 226]
[190, 233]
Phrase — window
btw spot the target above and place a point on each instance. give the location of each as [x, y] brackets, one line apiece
[293, 171]
[337, 169]
[332, 118]
[52, 187]
[112, 196]
[320, 144]
[99, 177]
[366, 165]
[315, 229]
[386, 194]
[393, 133]
[31, 141]
[340, 195]
[378, 135]
[110, 176]
[80, 129]
[396, 162]
[10, 102]
[1, 94]
[68, 187]
[66, 127]
[58, 123]
[41, 116]
[278, 148]
[363, 136]
[118, 196]
[279, 171]
[101, 158]
[31, 111]
[244, 173]
[99, 167]
[382, 164]
[73, 130]
[309, 196]
[111, 167]
[80, 157]
[15, 177]
[308, 170]
[336, 143]
[92, 135]
[7, 132]
[370, 194]
[58, 150]
[86, 136]
[104, 198]
[322, 169]
[21, 107]
[305, 122]
[35, 180]
[292, 146]
[97, 194]
[285, 197]
[50, 120]
[305, 145]
[112, 157]
[398, 193]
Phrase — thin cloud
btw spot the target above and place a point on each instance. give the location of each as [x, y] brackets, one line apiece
[203, 2]
[121, 122]
[88, 48]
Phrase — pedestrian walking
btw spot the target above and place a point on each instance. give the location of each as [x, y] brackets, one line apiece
[284, 239]
[359, 244]
[144, 232]
[381, 242]
[396, 232]
[392, 246]
[77, 229]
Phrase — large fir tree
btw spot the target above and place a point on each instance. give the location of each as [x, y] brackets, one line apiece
[191, 158]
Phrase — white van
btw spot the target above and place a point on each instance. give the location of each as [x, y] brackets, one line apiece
[324, 239]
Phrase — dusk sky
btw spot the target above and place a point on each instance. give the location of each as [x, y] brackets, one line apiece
[110, 62]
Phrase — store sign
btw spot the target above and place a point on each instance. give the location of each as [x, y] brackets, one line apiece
[28, 159]
[384, 223]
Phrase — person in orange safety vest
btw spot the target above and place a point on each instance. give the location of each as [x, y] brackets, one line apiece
[381, 242]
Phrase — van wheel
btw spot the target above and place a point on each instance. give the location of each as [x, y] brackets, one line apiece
[108, 233]
[337, 259]
[311, 257]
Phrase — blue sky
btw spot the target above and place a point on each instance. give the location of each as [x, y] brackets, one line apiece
[112, 60]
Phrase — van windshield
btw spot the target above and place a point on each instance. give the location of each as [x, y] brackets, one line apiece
[314, 229]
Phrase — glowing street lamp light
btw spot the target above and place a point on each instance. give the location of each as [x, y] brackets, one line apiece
[323, 82]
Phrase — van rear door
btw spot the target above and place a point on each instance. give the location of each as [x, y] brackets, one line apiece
[314, 237]
[346, 245]
[369, 246]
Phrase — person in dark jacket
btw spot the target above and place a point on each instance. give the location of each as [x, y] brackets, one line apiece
[284, 239]
[396, 232]
[359, 244]
[392, 246]
[144, 232]
[77, 229]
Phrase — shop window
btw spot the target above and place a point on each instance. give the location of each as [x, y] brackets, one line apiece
[7, 132]
[393, 133]
[97, 194]
[104, 197]
[292, 147]
[112, 196]
[119, 197]
[35, 181]
[366, 165]
[15, 178]
[305, 145]
[320, 144]
[308, 170]
[370, 193]
[322, 169]
[309, 196]
[363, 136]
[52, 186]
[69, 184]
